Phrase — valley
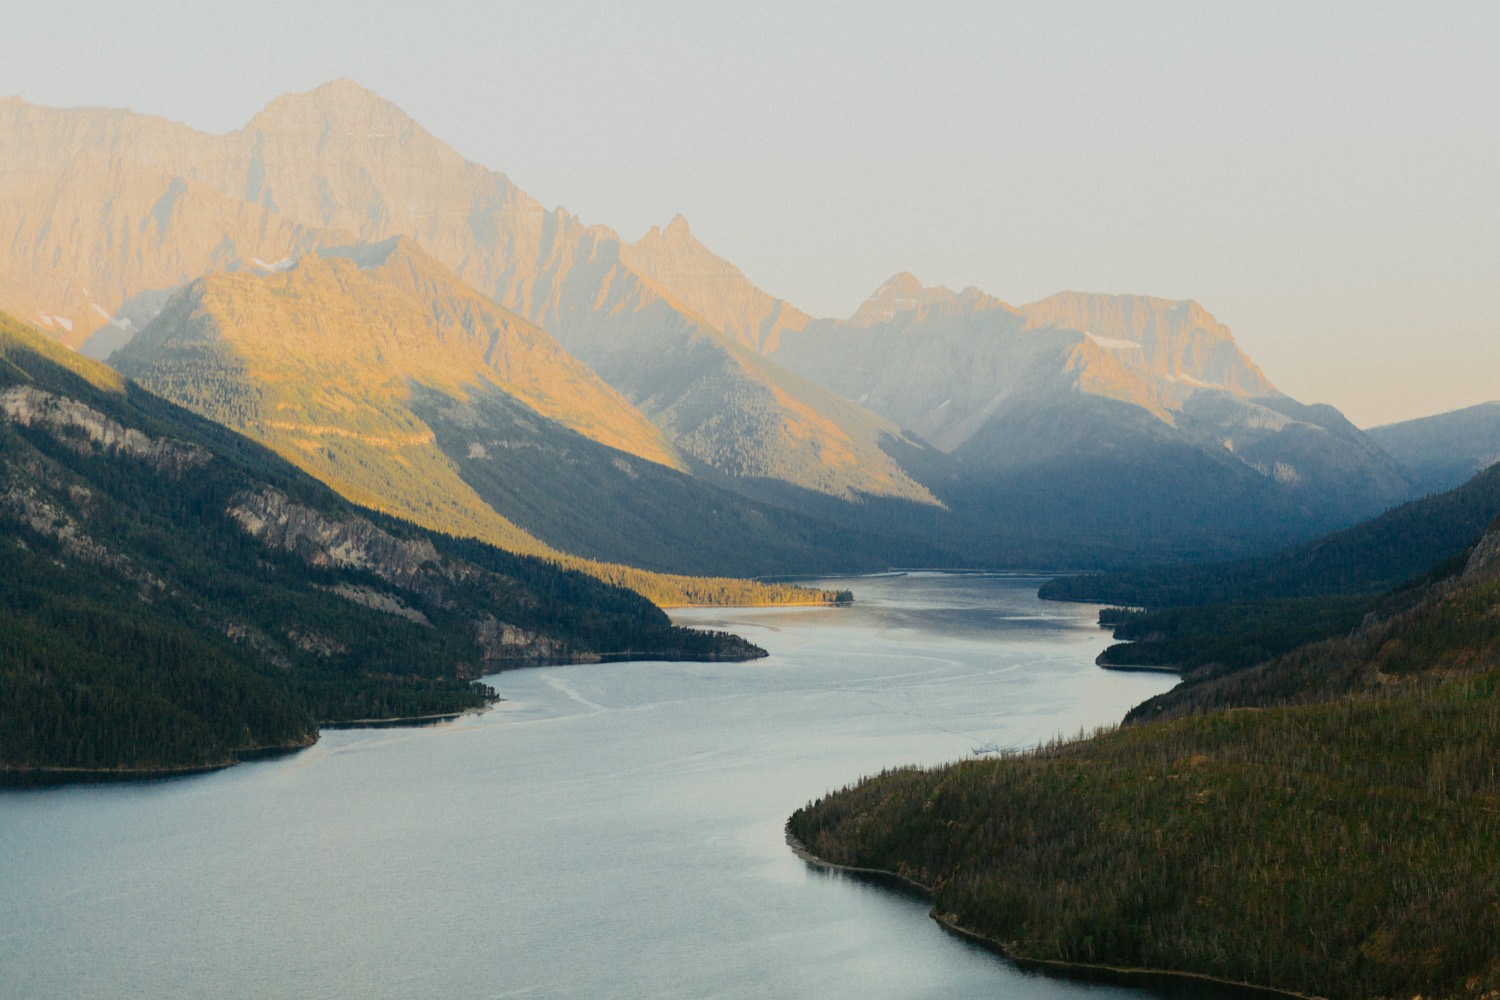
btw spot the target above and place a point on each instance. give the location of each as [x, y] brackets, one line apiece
[470, 566]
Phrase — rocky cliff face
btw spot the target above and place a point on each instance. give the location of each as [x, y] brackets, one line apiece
[351, 543]
[413, 565]
[1484, 561]
[88, 431]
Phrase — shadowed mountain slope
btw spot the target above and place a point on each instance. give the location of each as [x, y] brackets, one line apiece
[1368, 558]
[1446, 449]
[1092, 399]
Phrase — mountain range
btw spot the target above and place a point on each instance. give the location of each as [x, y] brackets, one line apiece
[376, 423]
[417, 331]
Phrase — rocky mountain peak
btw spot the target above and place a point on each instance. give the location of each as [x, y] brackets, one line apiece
[1176, 342]
[902, 283]
[340, 100]
[677, 238]
[711, 286]
[901, 292]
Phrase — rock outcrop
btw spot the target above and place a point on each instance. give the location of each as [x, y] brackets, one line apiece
[89, 431]
[413, 565]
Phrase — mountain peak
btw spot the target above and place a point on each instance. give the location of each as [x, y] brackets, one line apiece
[675, 234]
[902, 283]
[902, 292]
[709, 285]
[336, 100]
[380, 253]
[341, 91]
[1176, 341]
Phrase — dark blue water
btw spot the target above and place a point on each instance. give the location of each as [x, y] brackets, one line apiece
[608, 831]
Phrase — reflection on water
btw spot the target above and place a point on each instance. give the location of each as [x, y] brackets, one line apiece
[611, 830]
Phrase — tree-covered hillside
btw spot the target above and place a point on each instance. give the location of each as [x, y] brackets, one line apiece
[172, 594]
[1327, 822]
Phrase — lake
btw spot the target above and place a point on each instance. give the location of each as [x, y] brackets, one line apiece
[610, 830]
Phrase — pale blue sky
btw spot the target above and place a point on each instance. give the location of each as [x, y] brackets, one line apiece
[1325, 178]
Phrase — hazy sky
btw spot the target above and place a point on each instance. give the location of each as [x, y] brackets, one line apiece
[1325, 178]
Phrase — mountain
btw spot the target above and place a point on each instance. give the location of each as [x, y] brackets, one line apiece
[1179, 345]
[1212, 620]
[712, 287]
[338, 165]
[1129, 413]
[938, 426]
[375, 369]
[1444, 450]
[98, 244]
[1367, 558]
[175, 595]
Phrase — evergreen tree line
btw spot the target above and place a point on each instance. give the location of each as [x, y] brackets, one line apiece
[1325, 821]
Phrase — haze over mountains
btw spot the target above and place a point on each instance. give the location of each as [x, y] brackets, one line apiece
[408, 391]
[932, 426]
[1112, 380]
[1445, 449]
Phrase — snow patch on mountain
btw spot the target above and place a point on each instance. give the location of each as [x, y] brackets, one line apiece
[1113, 343]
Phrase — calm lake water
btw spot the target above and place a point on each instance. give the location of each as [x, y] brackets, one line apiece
[608, 831]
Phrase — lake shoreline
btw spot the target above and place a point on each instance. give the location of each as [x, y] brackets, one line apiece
[409, 720]
[1074, 970]
[760, 607]
[1135, 667]
[46, 777]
